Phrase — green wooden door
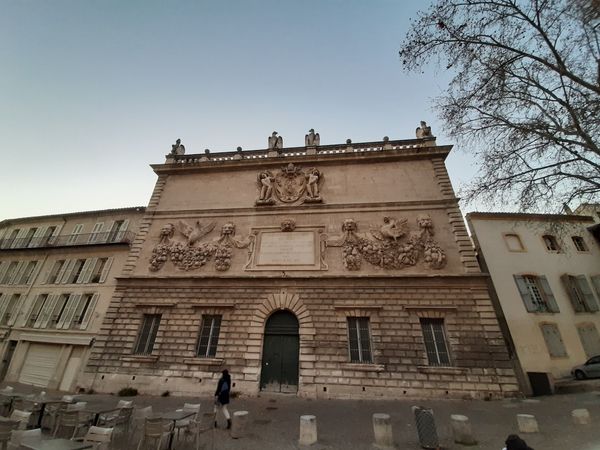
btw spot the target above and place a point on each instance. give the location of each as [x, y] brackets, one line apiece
[281, 349]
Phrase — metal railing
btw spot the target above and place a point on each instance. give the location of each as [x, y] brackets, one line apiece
[105, 237]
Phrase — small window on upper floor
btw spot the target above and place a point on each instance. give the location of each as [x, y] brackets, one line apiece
[579, 244]
[513, 242]
[551, 243]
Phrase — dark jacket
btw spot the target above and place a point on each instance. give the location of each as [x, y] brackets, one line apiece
[223, 388]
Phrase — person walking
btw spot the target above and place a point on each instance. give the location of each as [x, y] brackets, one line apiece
[514, 442]
[222, 397]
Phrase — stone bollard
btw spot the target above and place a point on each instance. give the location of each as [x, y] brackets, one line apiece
[461, 430]
[238, 424]
[382, 429]
[308, 430]
[527, 423]
[581, 416]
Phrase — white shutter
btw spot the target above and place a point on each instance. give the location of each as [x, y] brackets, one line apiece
[18, 239]
[108, 232]
[36, 271]
[17, 272]
[55, 234]
[35, 239]
[69, 311]
[46, 312]
[88, 313]
[106, 269]
[16, 309]
[68, 266]
[28, 304]
[3, 266]
[4, 300]
[84, 270]
[122, 230]
[96, 232]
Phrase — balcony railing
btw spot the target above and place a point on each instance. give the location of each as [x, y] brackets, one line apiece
[106, 237]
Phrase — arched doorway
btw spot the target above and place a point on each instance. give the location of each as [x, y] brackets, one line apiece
[281, 349]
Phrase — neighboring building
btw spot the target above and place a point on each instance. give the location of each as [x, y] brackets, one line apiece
[330, 271]
[589, 209]
[57, 275]
[546, 273]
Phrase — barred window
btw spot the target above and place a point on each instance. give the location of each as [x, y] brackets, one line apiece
[359, 340]
[209, 336]
[435, 342]
[147, 336]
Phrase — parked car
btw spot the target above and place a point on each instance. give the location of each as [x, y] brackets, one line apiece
[590, 369]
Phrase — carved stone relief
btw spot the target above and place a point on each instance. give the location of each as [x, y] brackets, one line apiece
[188, 253]
[291, 184]
[391, 245]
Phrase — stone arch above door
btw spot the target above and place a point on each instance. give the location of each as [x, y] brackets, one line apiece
[284, 300]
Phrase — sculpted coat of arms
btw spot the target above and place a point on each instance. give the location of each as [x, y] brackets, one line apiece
[186, 250]
[291, 184]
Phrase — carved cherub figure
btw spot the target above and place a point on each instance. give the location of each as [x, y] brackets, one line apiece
[425, 224]
[312, 183]
[228, 229]
[423, 131]
[166, 233]
[288, 224]
[195, 233]
[349, 226]
[265, 180]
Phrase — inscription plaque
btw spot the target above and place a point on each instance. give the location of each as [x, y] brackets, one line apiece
[287, 249]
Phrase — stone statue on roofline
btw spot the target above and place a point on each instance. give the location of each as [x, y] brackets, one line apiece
[275, 142]
[177, 148]
[424, 131]
[312, 139]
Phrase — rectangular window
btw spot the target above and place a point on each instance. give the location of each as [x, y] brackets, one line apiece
[359, 340]
[74, 236]
[35, 309]
[536, 293]
[98, 269]
[147, 336]
[46, 237]
[76, 271]
[554, 342]
[96, 231]
[209, 336]
[28, 237]
[580, 293]
[27, 273]
[12, 308]
[579, 243]
[53, 275]
[59, 309]
[590, 340]
[435, 342]
[9, 272]
[513, 242]
[551, 243]
[81, 311]
[8, 243]
[116, 230]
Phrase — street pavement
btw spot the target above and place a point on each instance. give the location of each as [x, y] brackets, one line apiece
[347, 424]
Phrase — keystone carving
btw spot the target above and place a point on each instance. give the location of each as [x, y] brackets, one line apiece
[291, 184]
[288, 225]
[392, 245]
[190, 253]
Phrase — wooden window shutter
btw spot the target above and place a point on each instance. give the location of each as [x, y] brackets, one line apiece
[122, 229]
[554, 342]
[86, 273]
[68, 266]
[35, 239]
[530, 306]
[46, 312]
[569, 282]
[106, 269]
[550, 299]
[16, 309]
[3, 266]
[88, 313]
[595, 281]
[18, 272]
[588, 295]
[67, 315]
[84, 270]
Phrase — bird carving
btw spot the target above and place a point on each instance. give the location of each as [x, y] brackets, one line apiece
[195, 233]
[391, 229]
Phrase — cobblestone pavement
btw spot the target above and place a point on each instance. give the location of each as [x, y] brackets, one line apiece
[347, 424]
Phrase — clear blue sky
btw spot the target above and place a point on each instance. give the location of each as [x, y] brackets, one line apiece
[92, 92]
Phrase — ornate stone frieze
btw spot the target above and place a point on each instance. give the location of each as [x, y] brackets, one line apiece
[189, 253]
[391, 245]
[291, 184]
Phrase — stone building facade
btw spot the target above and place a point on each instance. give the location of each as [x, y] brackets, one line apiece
[327, 270]
[57, 276]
